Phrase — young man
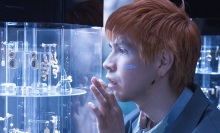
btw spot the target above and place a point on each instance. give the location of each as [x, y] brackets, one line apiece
[155, 48]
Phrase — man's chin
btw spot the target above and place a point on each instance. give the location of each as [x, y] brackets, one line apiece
[120, 98]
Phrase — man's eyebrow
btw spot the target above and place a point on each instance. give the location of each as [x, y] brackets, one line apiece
[124, 42]
[121, 43]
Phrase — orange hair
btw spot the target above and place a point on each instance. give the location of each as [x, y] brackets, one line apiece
[154, 25]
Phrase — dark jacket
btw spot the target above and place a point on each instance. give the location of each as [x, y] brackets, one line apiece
[199, 116]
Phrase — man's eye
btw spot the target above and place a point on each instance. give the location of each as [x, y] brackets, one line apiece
[123, 51]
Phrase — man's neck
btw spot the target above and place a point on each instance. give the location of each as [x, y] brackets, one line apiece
[157, 104]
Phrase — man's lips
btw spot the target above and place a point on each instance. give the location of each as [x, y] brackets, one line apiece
[112, 83]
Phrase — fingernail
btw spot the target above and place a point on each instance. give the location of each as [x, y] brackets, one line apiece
[91, 105]
[94, 79]
[103, 83]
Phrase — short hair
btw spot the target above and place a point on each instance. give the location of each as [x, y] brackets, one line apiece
[156, 25]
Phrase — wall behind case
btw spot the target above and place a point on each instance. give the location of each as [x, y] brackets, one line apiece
[201, 8]
[47, 11]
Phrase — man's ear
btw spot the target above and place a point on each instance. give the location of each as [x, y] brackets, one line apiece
[166, 62]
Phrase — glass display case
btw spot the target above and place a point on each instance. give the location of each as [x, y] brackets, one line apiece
[208, 65]
[45, 77]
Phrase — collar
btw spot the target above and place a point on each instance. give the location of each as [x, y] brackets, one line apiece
[196, 107]
[172, 115]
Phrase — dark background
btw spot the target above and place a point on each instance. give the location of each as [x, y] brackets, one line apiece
[45, 10]
[57, 10]
[201, 8]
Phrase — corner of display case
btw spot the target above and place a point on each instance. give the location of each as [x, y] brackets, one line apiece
[45, 76]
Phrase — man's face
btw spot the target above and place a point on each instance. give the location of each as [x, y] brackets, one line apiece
[128, 75]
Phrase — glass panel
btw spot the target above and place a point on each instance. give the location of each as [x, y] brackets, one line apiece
[45, 77]
[208, 68]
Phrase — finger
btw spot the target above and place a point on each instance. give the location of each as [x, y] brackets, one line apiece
[101, 86]
[115, 105]
[105, 86]
[95, 81]
[110, 97]
[104, 104]
[97, 112]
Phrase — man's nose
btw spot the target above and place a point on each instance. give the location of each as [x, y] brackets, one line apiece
[109, 64]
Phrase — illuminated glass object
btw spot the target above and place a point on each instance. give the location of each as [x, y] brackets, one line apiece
[45, 77]
[208, 68]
